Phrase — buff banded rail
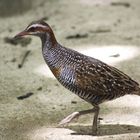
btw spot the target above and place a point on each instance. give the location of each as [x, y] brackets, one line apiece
[89, 78]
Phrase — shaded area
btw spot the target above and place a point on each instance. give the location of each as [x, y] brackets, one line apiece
[67, 134]
[105, 130]
[22, 41]
[14, 7]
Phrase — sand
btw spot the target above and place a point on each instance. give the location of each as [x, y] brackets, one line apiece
[105, 29]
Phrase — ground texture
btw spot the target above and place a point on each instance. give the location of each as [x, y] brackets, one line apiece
[81, 25]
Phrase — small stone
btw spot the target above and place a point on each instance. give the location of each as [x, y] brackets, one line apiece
[74, 102]
[115, 55]
[40, 88]
[100, 118]
[13, 60]
[128, 129]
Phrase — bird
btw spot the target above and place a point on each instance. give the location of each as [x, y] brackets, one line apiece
[91, 79]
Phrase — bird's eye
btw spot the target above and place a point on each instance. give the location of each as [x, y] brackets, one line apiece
[32, 29]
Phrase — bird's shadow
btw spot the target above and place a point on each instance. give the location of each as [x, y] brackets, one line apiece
[104, 130]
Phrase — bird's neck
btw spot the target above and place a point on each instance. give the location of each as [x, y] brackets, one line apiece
[50, 48]
[48, 40]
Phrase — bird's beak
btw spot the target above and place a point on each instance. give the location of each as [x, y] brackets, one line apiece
[21, 34]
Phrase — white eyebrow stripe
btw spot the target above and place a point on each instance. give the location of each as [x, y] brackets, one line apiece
[36, 25]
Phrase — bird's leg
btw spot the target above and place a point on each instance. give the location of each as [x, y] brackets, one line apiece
[95, 119]
[74, 115]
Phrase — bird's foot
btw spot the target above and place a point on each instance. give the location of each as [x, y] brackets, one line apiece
[94, 133]
[94, 130]
[69, 118]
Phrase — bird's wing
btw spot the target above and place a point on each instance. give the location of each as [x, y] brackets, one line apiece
[101, 78]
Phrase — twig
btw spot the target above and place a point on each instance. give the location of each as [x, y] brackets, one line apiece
[25, 96]
[20, 65]
[77, 36]
[115, 55]
[125, 4]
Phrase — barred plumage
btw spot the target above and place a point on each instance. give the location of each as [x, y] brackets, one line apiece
[89, 78]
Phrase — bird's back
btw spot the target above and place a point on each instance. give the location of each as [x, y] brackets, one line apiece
[89, 78]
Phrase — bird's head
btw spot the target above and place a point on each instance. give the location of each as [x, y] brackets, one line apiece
[37, 28]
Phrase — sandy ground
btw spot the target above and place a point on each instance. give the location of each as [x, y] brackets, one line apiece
[105, 29]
